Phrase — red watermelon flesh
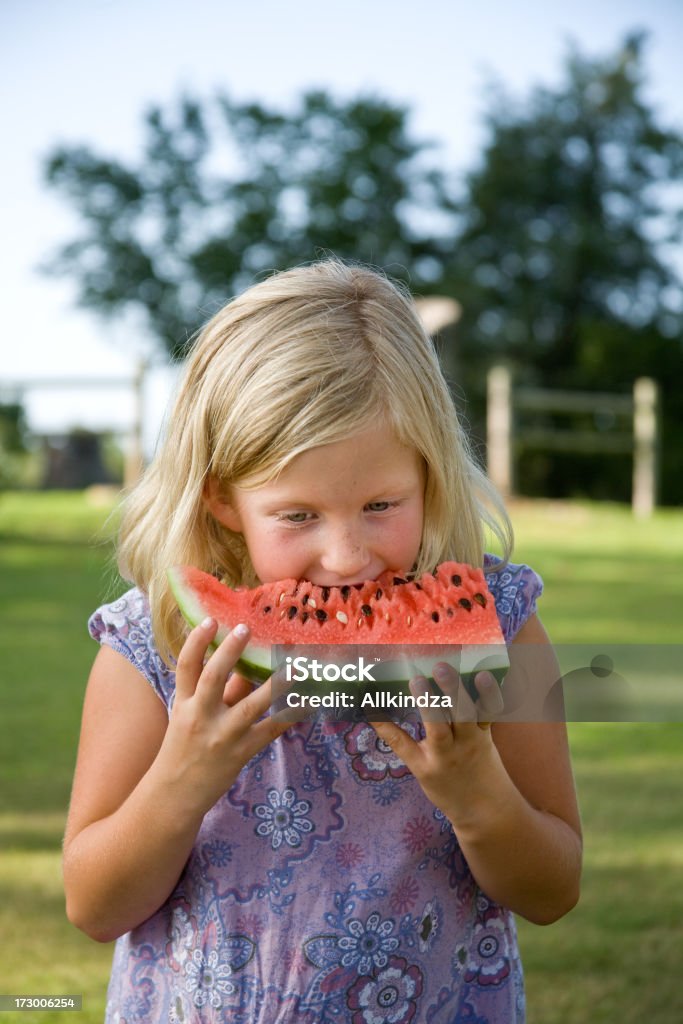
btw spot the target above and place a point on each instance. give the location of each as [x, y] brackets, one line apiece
[442, 613]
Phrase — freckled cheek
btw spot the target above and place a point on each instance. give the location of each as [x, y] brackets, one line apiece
[278, 554]
[402, 541]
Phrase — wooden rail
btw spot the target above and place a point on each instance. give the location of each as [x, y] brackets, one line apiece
[638, 433]
[134, 458]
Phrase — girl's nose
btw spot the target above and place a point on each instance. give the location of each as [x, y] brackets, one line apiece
[345, 555]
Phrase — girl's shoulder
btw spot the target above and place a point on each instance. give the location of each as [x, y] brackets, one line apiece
[515, 589]
[125, 625]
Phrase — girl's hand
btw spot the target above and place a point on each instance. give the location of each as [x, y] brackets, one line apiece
[511, 803]
[144, 781]
[217, 723]
[456, 763]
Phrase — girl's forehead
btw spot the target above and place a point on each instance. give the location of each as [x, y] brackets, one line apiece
[373, 457]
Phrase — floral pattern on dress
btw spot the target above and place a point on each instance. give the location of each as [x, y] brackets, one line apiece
[367, 943]
[125, 625]
[516, 589]
[372, 759]
[389, 996]
[284, 818]
[323, 887]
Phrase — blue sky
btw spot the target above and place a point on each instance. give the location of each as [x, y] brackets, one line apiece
[83, 70]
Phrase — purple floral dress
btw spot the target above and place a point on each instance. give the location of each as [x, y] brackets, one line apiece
[323, 887]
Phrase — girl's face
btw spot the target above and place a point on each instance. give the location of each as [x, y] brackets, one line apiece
[339, 514]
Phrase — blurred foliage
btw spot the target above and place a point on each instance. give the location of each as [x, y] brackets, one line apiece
[13, 427]
[14, 450]
[563, 259]
[558, 244]
[226, 192]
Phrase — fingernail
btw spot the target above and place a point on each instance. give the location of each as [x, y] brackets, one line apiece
[441, 671]
[208, 623]
[241, 631]
[485, 680]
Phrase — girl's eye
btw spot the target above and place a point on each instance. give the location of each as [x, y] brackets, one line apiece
[296, 518]
[379, 506]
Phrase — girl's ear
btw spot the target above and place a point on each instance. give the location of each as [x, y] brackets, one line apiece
[220, 507]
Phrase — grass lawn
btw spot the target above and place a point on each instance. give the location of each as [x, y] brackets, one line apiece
[54, 564]
[615, 958]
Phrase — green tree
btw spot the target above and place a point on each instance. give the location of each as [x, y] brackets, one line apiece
[562, 261]
[226, 192]
[13, 443]
[558, 246]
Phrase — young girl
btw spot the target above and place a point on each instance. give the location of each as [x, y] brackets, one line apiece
[259, 872]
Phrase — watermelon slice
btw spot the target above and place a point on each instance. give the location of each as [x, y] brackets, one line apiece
[447, 615]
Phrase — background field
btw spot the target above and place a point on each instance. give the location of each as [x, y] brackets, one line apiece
[616, 958]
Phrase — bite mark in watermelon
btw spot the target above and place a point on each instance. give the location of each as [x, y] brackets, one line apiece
[443, 612]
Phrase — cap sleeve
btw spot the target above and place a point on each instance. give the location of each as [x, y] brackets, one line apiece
[515, 589]
[125, 625]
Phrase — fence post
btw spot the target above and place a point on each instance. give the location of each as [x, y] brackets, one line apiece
[645, 443]
[499, 428]
[134, 460]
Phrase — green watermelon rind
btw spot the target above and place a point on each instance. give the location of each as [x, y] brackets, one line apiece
[255, 663]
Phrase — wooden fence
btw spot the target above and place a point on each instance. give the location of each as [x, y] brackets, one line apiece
[637, 435]
[136, 384]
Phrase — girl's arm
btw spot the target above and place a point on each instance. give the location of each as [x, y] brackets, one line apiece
[143, 782]
[509, 793]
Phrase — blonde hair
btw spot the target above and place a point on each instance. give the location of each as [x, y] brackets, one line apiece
[307, 357]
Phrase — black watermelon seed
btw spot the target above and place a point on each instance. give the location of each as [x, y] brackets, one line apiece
[304, 617]
[378, 593]
[435, 616]
[480, 599]
[465, 603]
[291, 612]
[366, 609]
[449, 613]
[456, 580]
[398, 580]
[418, 587]
[326, 593]
[320, 614]
[267, 609]
[304, 599]
[345, 591]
